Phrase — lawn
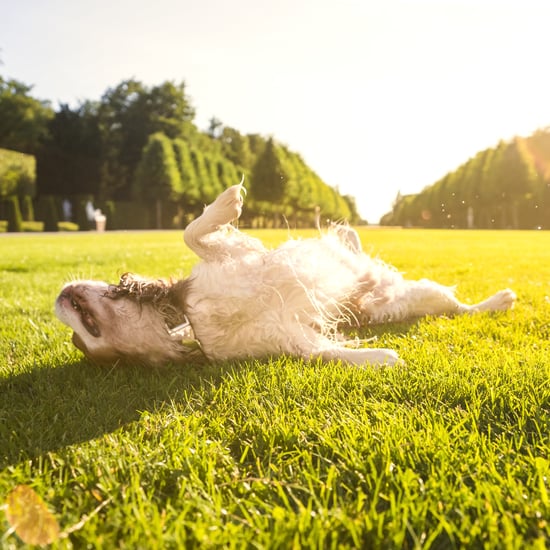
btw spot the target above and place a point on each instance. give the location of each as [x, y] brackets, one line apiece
[450, 450]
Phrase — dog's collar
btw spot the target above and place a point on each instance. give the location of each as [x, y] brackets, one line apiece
[185, 335]
[182, 326]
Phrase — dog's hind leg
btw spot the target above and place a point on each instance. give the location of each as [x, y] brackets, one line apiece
[226, 208]
[501, 301]
[348, 236]
[425, 297]
[212, 238]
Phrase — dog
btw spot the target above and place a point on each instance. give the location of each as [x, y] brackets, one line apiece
[244, 300]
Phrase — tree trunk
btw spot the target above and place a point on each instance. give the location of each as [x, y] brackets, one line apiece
[159, 213]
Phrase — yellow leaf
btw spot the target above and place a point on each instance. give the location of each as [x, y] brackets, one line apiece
[26, 512]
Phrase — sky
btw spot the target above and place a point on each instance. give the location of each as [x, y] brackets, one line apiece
[379, 97]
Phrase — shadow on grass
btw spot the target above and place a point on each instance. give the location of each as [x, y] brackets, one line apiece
[375, 331]
[49, 408]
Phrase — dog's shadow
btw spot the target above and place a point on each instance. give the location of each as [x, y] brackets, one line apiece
[47, 409]
[374, 333]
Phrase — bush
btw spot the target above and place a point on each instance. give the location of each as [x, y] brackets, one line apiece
[27, 209]
[129, 215]
[33, 227]
[67, 226]
[80, 214]
[17, 173]
[12, 213]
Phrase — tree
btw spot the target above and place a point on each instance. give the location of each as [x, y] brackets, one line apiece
[157, 175]
[504, 186]
[13, 214]
[207, 193]
[268, 181]
[128, 115]
[538, 146]
[23, 119]
[227, 173]
[488, 188]
[214, 185]
[215, 127]
[69, 161]
[516, 177]
[17, 174]
[190, 187]
[236, 148]
[97, 149]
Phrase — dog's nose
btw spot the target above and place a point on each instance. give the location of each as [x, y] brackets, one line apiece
[66, 292]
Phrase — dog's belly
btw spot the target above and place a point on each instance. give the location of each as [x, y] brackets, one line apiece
[264, 301]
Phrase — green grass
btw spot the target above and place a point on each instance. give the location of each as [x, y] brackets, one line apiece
[449, 451]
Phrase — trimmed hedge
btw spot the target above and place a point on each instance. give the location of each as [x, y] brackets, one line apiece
[17, 173]
[9, 208]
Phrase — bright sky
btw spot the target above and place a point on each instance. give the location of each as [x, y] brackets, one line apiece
[378, 96]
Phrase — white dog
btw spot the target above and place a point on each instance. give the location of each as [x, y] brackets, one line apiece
[244, 300]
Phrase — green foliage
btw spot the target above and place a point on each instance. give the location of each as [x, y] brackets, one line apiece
[191, 189]
[214, 184]
[128, 115]
[208, 193]
[228, 173]
[47, 211]
[99, 149]
[9, 207]
[130, 215]
[68, 226]
[17, 174]
[283, 182]
[157, 175]
[448, 451]
[23, 119]
[507, 186]
[27, 209]
[269, 176]
[80, 214]
[236, 148]
[69, 161]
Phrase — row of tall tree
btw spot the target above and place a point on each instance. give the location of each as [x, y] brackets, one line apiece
[281, 184]
[177, 173]
[139, 144]
[507, 186]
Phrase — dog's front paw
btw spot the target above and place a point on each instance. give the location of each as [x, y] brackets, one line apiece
[372, 356]
[384, 356]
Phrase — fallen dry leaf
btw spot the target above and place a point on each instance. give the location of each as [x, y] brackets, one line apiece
[29, 517]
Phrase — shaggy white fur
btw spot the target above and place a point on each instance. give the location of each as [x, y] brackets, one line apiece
[244, 300]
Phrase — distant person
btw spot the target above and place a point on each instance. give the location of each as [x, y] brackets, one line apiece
[67, 210]
[90, 214]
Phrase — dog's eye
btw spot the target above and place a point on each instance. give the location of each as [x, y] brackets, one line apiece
[75, 305]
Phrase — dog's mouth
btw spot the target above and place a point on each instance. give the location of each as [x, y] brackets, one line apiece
[78, 304]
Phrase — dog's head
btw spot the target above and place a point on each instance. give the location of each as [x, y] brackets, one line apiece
[139, 319]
